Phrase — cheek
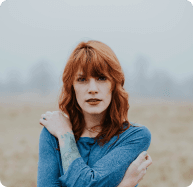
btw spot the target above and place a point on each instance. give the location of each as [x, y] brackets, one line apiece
[109, 86]
[108, 95]
[79, 95]
[108, 90]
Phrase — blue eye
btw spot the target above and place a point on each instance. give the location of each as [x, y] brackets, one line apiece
[79, 79]
[103, 78]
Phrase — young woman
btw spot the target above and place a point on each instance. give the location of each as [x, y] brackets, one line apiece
[90, 142]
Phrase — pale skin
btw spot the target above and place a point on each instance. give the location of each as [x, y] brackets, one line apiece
[60, 126]
[92, 88]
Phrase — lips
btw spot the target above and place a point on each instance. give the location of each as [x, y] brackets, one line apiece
[92, 100]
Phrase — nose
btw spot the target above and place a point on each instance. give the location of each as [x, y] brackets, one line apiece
[92, 86]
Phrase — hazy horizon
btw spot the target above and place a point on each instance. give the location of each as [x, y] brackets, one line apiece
[49, 30]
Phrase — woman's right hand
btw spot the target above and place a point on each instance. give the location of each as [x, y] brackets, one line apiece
[136, 170]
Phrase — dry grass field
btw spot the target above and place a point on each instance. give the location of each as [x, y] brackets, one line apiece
[171, 149]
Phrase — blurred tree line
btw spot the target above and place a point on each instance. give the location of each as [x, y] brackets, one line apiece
[159, 84]
[41, 80]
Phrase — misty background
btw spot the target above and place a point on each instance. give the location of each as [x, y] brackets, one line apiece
[152, 40]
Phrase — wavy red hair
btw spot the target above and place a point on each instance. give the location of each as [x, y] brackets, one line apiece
[95, 58]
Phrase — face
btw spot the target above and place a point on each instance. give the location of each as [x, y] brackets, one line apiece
[87, 88]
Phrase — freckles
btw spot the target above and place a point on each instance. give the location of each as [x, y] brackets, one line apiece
[108, 93]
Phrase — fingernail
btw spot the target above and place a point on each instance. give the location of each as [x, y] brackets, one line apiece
[145, 153]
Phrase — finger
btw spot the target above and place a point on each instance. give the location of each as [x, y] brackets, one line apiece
[48, 113]
[140, 158]
[40, 123]
[43, 116]
[140, 179]
[55, 113]
[146, 163]
[43, 122]
[148, 160]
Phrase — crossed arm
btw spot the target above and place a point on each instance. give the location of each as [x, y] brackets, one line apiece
[69, 152]
[76, 172]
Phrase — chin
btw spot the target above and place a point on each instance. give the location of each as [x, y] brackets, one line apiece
[93, 111]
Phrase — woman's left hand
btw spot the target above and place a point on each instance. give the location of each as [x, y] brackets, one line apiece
[56, 123]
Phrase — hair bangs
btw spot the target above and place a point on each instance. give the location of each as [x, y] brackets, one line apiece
[90, 63]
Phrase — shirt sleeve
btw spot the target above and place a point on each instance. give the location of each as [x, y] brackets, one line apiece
[48, 166]
[110, 169]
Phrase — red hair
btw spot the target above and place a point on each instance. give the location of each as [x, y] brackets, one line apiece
[95, 58]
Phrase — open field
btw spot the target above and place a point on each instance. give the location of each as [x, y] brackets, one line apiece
[171, 149]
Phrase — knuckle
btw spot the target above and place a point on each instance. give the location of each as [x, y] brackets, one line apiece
[138, 170]
[135, 163]
[140, 179]
[150, 162]
[133, 167]
[143, 169]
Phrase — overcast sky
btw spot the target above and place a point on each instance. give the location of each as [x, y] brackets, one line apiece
[35, 30]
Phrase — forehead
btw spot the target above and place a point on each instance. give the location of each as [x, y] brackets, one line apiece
[79, 73]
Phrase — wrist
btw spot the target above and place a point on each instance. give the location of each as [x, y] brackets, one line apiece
[60, 134]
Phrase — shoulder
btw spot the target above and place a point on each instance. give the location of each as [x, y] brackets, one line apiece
[45, 133]
[137, 131]
[136, 135]
[45, 136]
[141, 129]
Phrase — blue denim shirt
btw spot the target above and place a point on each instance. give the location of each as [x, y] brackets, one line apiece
[97, 166]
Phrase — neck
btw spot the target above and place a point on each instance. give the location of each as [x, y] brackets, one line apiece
[92, 122]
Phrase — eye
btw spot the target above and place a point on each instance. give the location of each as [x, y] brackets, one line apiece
[103, 78]
[79, 79]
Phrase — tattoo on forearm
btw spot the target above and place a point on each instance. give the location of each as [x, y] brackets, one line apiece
[69, 150]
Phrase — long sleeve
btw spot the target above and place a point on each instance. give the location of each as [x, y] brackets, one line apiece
[110, 169]
[48, 165]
